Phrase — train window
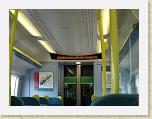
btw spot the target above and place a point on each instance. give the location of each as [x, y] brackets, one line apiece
[137, 83]
[129, 58]
[14, 85]
[133, 84]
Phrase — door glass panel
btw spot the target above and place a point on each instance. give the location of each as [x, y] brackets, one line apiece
[70, 94]
[87, 70]
[86, 93]
[70, 70]
[14, 85]
[86, 81]
[70, 85]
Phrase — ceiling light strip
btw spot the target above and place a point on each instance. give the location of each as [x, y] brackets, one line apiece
[47, 46]
[28, 25]
[41, 24]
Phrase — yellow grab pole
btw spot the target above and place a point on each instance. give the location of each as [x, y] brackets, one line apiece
[104, 82]
[114, 51]
[11, 44]
[103, 49]
[29, 57]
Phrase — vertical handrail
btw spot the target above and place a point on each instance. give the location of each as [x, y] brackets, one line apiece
[103, 49]
[11, 44]
[78, 85]
[114, 51]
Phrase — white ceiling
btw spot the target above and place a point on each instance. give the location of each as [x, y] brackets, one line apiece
[70, 32]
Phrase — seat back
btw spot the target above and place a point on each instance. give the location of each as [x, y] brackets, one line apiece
[29, 101]
[43, 101]
[117, 100]
[16, 101]
[55, 102]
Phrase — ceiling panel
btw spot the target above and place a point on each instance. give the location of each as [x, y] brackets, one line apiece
[28, 44]
[73, 31]
[70, 32]
[126, 20]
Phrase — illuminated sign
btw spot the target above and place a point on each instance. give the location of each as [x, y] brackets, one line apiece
[69, 57]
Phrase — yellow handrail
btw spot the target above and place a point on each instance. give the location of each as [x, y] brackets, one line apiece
[29, 57]
[103, 49]
[114, 51]
[11, 44]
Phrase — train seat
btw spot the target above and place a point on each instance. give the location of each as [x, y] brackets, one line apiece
[16, 101]
[93, 97]
[43, 101]
[37, 97]
[29, 101]
[117, 100]
[46, 97]
[55, 102]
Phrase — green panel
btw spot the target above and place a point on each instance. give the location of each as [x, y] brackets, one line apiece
[83, 80]
[86, 79]
[70, 80]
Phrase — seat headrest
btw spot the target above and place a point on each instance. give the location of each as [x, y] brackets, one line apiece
[16, 101]
[36, 97]
[55, 102]
[117, 100]
[43, 101]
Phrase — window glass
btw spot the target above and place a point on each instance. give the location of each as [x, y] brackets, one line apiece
[87, 70]
[137, 83]
[14, 85]
[129, 62]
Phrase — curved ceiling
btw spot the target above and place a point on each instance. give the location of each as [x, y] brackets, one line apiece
[69, 32]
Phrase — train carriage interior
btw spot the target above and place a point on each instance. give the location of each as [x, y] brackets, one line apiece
[74, 57]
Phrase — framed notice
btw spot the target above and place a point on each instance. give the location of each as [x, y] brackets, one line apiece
[45, 80]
